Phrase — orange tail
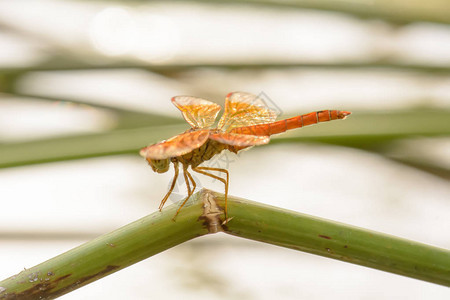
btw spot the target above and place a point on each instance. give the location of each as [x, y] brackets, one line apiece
[292, 123]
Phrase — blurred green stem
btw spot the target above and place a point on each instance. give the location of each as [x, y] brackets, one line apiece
[74, 65]
[123, 118]
[399, 11]
[362, 130]
[157, 232]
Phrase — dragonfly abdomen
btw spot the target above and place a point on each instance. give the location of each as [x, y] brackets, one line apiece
[292, 123]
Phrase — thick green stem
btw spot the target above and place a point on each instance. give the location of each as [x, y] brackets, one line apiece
[106, 254]
[158, 232]
[360, 246]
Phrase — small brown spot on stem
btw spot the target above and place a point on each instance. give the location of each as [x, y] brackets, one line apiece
[105, 271]
[325, 237]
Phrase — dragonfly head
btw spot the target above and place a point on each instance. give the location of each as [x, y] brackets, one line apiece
[159, 165]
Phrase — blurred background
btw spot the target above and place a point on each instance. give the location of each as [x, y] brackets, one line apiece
[84, 85]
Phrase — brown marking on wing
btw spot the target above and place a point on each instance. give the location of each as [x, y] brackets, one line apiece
[199, 113]
[178, 145]
[244, 109]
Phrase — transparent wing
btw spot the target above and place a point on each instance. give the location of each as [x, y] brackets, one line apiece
[176, 146]
[244, 109]
[239, 140]
[199, 113]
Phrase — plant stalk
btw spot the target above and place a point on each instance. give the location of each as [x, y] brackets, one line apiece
[107, 254]
[335, 240]
[158, 232]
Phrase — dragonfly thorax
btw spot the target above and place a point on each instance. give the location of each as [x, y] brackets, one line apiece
[159, 165]
[202, 154]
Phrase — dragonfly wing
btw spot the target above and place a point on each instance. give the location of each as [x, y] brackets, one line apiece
[239, 140]
[177, 145]
[199, 113]
[244, 109]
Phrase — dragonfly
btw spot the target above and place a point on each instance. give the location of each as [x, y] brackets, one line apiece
[247, 121]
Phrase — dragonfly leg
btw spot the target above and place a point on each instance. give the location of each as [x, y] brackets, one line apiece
[194, 186]
[175, 165]
[187, 177]
[202, 170]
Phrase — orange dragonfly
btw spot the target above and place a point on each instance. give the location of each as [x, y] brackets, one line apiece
[246, 122]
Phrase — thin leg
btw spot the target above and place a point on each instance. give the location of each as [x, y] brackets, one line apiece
[175, 165]
[190, 192]
[192, 180]
[201, 170]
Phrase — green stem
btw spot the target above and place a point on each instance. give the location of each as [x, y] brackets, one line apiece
[124, 141]
[15, 73]
[343, 242]
[157, 232]
[399, 11]
[106, 254]
[124, 118]
[361, 130]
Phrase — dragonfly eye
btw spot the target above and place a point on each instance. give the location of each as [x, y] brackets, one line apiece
[159, 165]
